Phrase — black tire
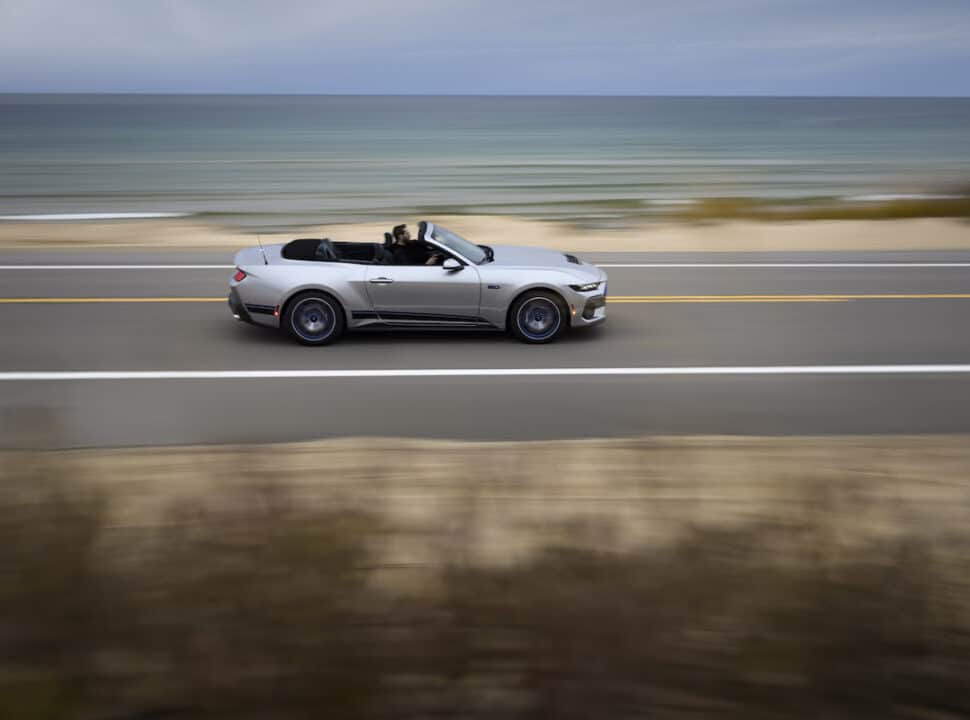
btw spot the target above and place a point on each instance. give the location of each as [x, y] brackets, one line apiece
[314, 318]
[538, 316]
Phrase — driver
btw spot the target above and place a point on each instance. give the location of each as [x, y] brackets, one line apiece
[408, 251]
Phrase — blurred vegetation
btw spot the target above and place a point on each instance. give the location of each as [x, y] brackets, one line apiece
[255, 604]
[742, 208]
[581, 213]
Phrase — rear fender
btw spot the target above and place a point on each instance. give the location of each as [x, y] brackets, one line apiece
[284, 301]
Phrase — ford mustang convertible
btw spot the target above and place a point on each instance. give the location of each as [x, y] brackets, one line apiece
[316, 289]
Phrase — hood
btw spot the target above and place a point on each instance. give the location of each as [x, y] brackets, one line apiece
[514, 255]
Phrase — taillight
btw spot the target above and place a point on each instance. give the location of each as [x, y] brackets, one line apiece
[240, 275]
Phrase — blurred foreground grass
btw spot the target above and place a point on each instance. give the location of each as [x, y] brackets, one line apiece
[668, 578]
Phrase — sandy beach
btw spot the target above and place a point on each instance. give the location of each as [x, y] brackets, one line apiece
[737, 236]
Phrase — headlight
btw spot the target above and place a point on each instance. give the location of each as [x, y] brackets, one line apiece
[586, 287]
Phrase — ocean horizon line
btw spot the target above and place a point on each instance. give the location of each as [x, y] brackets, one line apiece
[701, 96]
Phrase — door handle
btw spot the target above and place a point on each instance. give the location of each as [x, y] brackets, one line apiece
[381, 281]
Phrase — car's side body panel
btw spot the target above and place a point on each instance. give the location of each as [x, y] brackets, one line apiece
[409, 294]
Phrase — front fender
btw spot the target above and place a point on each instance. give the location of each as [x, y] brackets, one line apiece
[501, 287]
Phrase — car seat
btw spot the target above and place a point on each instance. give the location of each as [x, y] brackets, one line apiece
[325, 251]
[383, 255]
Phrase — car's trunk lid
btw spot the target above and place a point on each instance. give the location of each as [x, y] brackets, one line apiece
[253, 256]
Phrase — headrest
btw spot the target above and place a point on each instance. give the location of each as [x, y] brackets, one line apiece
[388, 239]
[422, 229]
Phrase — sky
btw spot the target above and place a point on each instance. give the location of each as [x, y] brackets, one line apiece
[565, 47]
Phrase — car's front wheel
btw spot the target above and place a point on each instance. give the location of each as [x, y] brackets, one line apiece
[538, 316]
[314, 318]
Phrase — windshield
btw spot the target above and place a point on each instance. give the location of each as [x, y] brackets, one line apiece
[459, 244]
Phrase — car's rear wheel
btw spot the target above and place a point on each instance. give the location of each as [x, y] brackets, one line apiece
[314, 318]
[538, 316]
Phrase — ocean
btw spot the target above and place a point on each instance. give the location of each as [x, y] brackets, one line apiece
[281, 161]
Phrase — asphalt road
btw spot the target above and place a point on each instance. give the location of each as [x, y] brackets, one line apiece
[775, 344]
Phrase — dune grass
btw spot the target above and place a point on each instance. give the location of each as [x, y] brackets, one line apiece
[741, 208]
[715, 209]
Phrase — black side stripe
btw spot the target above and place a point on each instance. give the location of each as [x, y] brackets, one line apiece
[261, 309]
[426, 317]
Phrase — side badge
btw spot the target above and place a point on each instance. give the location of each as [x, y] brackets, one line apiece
[494, 287]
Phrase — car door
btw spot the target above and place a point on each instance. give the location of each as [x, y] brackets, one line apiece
[425, 294]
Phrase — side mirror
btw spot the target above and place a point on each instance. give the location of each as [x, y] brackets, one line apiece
[451, 265]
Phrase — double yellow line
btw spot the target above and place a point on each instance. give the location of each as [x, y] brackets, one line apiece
[611, 300]
[63, 300]
[784, 298]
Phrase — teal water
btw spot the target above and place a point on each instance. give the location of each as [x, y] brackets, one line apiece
[284, 160]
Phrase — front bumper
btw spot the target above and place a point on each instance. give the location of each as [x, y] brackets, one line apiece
[586, 310]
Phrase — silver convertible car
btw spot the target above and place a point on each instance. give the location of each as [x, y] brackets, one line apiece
[315, 289]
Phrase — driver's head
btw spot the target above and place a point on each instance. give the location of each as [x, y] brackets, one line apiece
[401, 234]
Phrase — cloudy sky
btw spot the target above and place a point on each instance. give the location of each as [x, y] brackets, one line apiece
[706, 47]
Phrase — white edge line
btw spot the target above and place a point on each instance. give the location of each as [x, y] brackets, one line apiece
[60, 217]
[657, 266]
[116, 267]
[786, 265]
[30, 376]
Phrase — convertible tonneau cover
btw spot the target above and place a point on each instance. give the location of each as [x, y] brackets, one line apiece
[305, 248]
[326, 250]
